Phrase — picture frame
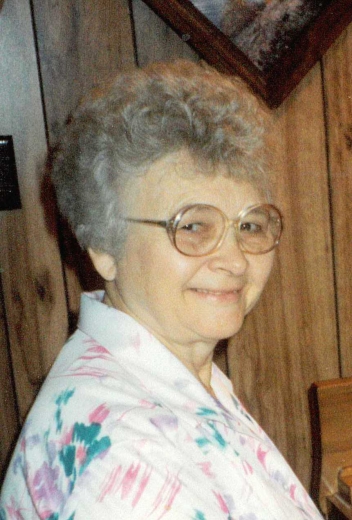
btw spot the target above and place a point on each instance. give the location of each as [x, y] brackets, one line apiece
[297, 54]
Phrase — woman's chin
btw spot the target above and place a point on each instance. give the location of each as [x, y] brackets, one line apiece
[220, 330]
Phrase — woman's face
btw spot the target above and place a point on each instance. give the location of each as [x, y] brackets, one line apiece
[184, 300]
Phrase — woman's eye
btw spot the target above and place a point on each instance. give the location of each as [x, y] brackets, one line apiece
[192, 227]
[251, 227]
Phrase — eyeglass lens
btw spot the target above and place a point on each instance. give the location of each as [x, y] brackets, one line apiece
[201, 228]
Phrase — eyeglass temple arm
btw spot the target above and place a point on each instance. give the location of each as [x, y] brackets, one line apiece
[161, 223]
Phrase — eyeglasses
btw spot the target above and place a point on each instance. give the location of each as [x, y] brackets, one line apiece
[200, 229]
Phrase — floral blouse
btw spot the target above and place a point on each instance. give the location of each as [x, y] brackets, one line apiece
[121, 430]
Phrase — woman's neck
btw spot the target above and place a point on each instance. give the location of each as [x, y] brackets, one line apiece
[197, 358]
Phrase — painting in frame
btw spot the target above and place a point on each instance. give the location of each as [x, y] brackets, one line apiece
[271, 44]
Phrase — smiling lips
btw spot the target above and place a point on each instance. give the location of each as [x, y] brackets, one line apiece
[228, 296]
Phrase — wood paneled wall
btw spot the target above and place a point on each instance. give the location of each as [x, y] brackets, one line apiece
[298, 333]
[32, 281]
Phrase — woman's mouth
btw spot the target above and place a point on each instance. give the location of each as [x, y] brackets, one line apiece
[225, 296]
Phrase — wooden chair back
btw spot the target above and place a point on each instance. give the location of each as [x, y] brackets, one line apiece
[331, 420]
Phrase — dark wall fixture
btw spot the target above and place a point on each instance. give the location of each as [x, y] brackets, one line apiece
[9, 190]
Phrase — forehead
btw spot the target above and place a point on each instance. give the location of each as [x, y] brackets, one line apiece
[177, 180]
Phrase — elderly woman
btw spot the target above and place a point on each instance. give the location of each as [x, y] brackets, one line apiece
[161, 178]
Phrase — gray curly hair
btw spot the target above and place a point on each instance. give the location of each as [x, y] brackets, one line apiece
[145, 114]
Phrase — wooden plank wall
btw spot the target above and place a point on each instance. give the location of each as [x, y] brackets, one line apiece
[298, 333]
[89, 42]
[32, 280]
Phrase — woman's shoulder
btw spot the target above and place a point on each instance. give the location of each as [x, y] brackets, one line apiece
[79, 425]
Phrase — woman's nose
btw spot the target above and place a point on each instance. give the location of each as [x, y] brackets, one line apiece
[230, 256]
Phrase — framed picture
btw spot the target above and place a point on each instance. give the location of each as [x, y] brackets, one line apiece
[271, 44]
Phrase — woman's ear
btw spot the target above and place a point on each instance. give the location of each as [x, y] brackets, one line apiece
[104, 264]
